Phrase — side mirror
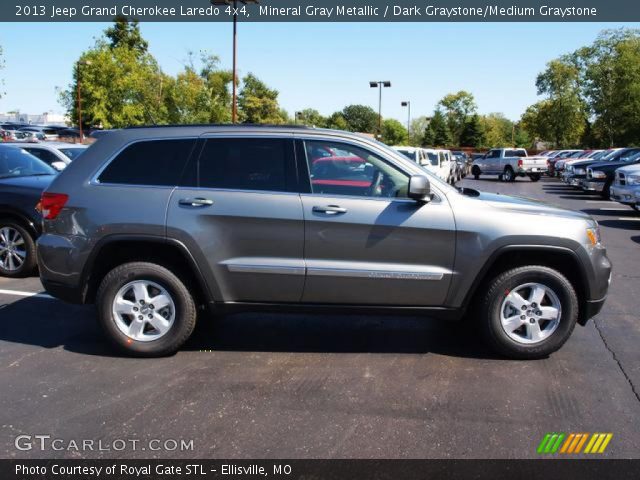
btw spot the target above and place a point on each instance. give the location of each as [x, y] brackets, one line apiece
[419, 188]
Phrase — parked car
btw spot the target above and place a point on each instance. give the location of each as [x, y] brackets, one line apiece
[23, 177]
[464, 162]
[56, 155]
[149, 228]
[39, 132]
[415, 154]
[600, 176]
[509, 163]
[439, 164]
[561, 154]
[586, 155]
[576, 173]
[626, 186]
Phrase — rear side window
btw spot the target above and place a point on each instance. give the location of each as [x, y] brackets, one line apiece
[155, 162]
[44, 155]
[265, 164]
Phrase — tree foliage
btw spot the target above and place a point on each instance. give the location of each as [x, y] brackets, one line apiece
[258, 103]
[393, 132]
[125, 33]
[457, 109]
[437, 133]
[360, 118]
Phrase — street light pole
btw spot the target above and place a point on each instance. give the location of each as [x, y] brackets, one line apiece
[379, 85]
[408, 104]
[234, 99]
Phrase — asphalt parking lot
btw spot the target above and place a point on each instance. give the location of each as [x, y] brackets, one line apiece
[291, 386]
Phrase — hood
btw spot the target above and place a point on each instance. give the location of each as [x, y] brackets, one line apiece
[584, 163]
[36, 182]
[527, 205]
[607, 166]
[630, 169]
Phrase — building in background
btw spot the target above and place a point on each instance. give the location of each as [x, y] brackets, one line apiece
[46, 118]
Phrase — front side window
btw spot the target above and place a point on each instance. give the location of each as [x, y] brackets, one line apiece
[494, 154]
[154, 162]
[352, 170]
[433, 158]
[263, 164]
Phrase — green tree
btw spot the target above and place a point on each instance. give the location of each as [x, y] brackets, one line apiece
[472, 133]
[560, 82]
[311, 117]
[125, 33]
[393, 132]
[498, 130]
[337, 122]
[457, 109]
[360, 118]
[417, 129]
[258, 103]
[437, 133]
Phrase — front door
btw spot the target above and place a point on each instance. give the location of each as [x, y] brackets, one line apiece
[240, 215]
[366, 243]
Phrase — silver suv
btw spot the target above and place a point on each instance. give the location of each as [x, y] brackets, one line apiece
[153, 223]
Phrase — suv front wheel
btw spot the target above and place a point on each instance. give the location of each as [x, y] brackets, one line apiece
[145, 309]
[529, 312]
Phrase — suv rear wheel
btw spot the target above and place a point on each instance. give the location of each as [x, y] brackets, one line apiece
[529, 312]
[145, 309]
[17, 250]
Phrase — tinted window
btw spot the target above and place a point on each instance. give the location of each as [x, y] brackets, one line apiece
[351, 170]
[433, 158]
[247, 164]
[515, 153]
[72, 153]
[44, 155]
[156, 162]
[494, 154]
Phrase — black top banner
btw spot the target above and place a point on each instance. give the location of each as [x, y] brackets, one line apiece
[321, 11]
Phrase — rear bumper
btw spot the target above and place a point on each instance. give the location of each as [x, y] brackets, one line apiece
[592, 186]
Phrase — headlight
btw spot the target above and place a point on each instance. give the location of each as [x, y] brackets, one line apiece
[593, 234]
[598, 174]
[579, 171]
[633, 180]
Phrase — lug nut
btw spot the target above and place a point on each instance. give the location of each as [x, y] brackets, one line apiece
[532, 320]
[524, 307]
[534, 305]
[151, 306]
[150, 316]
[140, 317]
[523, 317]
[135, 309]
[539, 312]
[141, 302]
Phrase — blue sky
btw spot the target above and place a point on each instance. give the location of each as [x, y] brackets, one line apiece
[319, 65]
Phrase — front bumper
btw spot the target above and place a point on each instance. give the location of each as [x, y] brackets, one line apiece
[574, 181]
[592, 186]
[625, 194]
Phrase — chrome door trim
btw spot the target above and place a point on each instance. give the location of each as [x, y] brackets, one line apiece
[377, 274]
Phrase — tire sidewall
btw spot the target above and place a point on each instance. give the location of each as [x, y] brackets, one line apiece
[119, 277]
[568, 301]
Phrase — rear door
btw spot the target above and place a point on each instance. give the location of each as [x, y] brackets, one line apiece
[239, 212]
[366, 243]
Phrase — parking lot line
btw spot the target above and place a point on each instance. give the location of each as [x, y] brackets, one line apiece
[636, 219]
[614, 209]
[598, 201]
[19, 293]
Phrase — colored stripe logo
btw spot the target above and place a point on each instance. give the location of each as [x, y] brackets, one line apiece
[573, 443]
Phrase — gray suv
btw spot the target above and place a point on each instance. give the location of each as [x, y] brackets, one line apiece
[154, 223]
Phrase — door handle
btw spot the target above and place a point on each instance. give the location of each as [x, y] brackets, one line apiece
[329, 209]
[195, 202]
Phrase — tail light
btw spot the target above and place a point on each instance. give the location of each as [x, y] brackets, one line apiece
[520, 163]
[51, 204]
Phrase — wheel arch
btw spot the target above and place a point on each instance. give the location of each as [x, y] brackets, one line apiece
[562, 259]
[118, 249]
[22, 219]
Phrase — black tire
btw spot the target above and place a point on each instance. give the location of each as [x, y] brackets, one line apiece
[636, 208]
[534, 177]
[509, 175]
[475, 171]
[501, 286]
[185, 309]
[29, 247]
[606, 191]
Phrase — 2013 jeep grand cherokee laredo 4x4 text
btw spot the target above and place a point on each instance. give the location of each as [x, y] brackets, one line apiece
[155, 222]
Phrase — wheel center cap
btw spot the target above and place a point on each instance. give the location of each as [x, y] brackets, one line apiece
[145, 310]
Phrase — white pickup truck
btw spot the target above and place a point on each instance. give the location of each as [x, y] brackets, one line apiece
[509, 163]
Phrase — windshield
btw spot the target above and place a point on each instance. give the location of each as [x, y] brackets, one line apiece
[15, 162]
[598, 155]
[408, 154]
[72, 153]
[576, 154]
[628, 155]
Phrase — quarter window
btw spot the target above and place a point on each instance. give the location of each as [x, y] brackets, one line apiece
[341, 169]
[155, 162]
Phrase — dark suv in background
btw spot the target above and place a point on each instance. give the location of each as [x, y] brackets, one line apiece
[155, 222]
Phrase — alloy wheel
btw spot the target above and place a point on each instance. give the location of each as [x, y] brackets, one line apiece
[530, 313]
[143, 310]
[13, 250]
